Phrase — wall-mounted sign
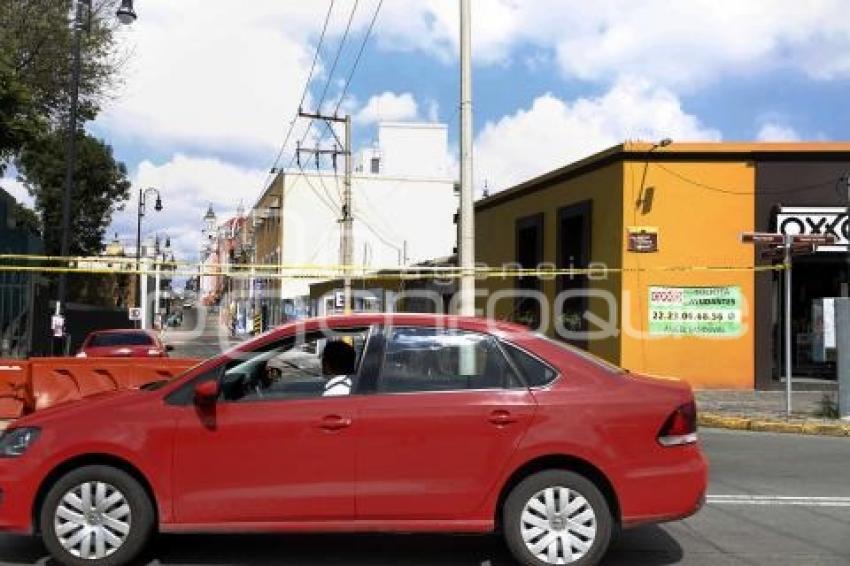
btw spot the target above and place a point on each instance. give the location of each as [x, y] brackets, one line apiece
[695, 311]
[820, 221]
[643, 239]
[134, 313]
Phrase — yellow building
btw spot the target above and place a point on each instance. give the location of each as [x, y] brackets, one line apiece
[696, 303]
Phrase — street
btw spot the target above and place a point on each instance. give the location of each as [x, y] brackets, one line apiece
[760, 526]
[200, 335]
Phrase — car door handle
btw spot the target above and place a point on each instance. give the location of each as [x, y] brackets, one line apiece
[335, 422]
[502, 418]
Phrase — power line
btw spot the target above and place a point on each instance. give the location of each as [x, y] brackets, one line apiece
[330, 205]
[338, 53]
[354, 69]
[359, 55]
[303, 93]
[759, 191]
[351, 73]
[330, 75]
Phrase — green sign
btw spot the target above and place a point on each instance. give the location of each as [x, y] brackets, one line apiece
[695, 311]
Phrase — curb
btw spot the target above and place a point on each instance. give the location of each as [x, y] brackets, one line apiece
[812, 428]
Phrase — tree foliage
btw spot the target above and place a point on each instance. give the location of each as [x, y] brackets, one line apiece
[101, 188]
[36, 59]
[36, 48]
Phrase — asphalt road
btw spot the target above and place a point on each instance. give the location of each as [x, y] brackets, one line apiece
[759, 526]
[200, 335]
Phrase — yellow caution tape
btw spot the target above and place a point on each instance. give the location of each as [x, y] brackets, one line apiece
[361, 272]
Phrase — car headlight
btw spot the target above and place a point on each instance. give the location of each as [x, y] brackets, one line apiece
[15, 442]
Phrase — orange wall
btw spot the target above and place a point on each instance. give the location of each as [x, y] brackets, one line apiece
[698, 226]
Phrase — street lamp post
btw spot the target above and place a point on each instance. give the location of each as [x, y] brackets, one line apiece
[143, 194]
[126, 15]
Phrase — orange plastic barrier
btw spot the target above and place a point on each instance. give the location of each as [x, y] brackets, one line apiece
[31, 385]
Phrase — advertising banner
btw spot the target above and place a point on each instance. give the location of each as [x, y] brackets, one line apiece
[695, 311]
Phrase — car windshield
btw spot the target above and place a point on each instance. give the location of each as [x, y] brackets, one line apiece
[120, 339]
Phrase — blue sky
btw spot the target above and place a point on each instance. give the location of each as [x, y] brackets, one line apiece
[211, 87]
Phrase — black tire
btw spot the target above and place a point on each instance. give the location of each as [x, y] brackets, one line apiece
[530, 487]
[141, 518]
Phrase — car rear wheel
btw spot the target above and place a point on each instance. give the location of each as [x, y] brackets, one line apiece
[96, 516]
[557, 517]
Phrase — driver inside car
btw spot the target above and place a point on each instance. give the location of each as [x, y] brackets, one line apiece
[338, 360]
[272, 374]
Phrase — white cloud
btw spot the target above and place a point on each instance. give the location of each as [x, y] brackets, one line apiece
[188, 185]
[389, 107]
[553, 132]
[433, 26]
[679, 44]
[773, 132]
[207, 76]
[211, 75]
[433, 111]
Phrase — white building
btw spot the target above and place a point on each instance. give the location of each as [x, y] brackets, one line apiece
[403, 202]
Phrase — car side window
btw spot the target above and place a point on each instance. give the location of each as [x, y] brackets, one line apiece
[437, 359]
[535, 372]
[316, 365]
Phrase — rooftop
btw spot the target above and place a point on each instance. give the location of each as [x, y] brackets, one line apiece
[686, 151]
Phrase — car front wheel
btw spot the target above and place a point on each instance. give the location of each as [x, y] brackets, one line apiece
[557, 517]
[96, 516]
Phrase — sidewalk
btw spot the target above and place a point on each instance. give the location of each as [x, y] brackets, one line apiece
[765, 411]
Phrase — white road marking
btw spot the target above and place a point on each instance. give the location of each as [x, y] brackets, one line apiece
[778, 500]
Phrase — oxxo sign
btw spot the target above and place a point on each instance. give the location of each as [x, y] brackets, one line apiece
[819, 221]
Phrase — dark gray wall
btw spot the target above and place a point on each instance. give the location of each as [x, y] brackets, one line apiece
[788, 180]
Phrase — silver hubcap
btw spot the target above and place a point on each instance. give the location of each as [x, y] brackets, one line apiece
[92, 520]
[558, 525]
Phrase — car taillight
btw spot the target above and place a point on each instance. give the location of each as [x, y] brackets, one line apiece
[680, 427]
[154, 352]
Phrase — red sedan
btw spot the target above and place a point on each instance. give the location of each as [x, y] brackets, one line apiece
[123, 344]
[364, 423]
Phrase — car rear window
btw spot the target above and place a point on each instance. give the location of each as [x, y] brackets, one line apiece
[535, 372]
[120, 339]
[585, 355]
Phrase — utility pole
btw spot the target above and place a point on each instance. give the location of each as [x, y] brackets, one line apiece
[788, 245]
[466, 246]
[71, 162]
[347, 220]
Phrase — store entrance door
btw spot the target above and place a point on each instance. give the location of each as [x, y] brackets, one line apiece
[816, 279]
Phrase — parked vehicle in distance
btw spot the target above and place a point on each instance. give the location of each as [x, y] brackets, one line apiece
[396, 423]
[123, 343]
[174, 320]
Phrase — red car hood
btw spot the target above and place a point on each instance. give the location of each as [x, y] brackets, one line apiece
[99, 402]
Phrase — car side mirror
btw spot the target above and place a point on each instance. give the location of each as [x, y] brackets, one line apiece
[169, 348]
[206, 393]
